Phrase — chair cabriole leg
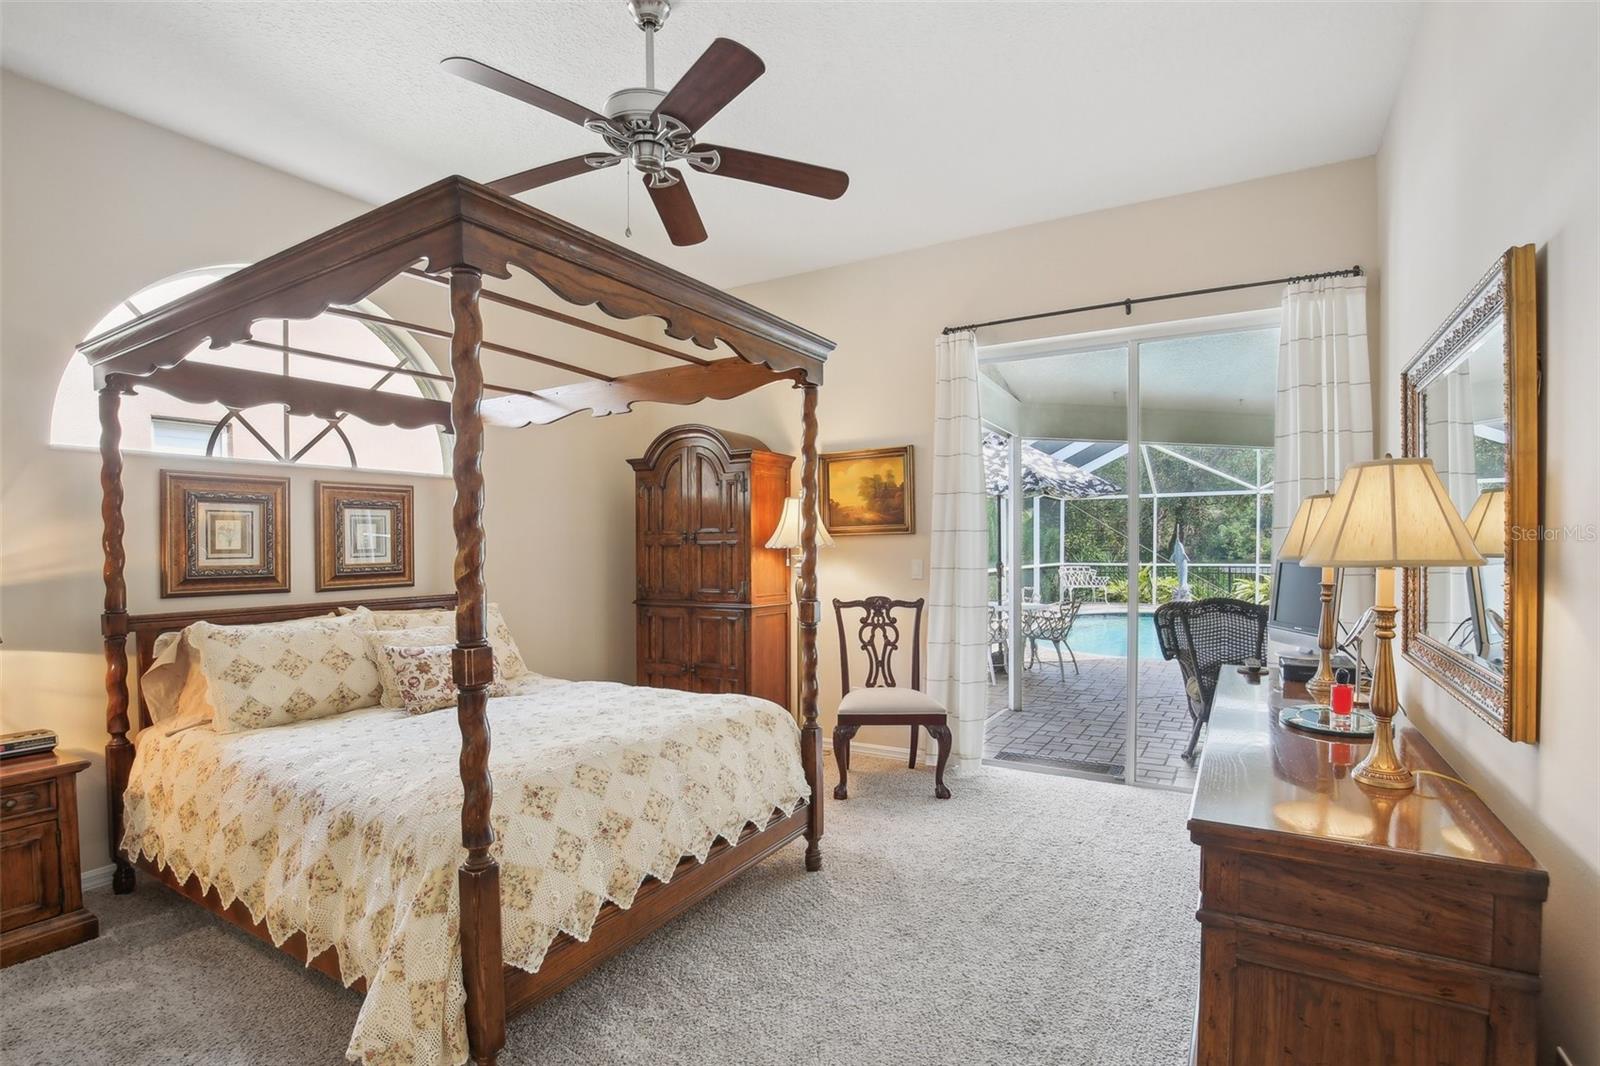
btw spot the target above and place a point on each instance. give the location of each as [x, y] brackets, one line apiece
[841, 755]
[941, 734]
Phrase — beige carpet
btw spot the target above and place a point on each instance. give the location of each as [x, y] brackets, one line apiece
[1031, 919]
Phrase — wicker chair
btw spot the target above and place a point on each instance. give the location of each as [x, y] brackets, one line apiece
[1054, 625]
[1205, 635]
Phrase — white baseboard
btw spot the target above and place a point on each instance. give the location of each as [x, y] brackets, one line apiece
[885, 751]
[99, 877]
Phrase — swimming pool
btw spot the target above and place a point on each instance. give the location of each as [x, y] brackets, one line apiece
[1106, 633]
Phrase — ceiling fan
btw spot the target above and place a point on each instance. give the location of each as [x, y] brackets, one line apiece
[654, 129]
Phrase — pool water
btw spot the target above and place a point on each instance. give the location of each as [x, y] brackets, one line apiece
[1107, 634]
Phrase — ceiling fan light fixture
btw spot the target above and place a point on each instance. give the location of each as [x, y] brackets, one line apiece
[653, 129]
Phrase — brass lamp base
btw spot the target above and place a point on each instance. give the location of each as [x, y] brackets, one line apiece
[1320, 687]
[1382, 767]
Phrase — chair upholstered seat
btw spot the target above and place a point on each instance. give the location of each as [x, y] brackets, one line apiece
[870, 701]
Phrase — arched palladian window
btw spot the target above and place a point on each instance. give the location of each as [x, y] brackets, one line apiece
[152, 421]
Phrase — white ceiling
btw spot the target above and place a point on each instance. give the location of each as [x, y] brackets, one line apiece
[952, 119]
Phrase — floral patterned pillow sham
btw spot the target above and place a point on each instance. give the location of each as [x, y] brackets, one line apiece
[417, 677]
[508, 661]
[257, 676]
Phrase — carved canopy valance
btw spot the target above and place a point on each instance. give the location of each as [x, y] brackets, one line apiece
[457, 224]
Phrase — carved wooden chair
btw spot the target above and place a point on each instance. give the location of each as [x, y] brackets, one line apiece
[881, 700]
[1204, 636]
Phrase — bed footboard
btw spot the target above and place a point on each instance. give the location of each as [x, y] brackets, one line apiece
[656, 904]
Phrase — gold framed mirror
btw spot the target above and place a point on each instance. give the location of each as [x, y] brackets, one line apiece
[1470, 402]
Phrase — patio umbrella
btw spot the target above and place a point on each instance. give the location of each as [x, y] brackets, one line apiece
[1042, 475]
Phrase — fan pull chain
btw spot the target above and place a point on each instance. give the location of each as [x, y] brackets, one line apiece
[627, 201]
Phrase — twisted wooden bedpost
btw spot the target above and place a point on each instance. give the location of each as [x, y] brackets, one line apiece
[810, 732]
[473, 669]
[114, 629]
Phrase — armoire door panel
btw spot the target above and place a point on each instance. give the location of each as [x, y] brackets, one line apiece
[718, 658]
[665, 642]
[718, 529]
[667, 559]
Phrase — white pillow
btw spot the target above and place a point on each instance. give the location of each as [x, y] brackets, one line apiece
[269, 675]
[163, 683]
[508, 661]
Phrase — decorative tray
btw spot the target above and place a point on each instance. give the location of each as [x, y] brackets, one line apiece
[1320, 719]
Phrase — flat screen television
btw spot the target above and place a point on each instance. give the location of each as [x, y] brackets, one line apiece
[1296, 610]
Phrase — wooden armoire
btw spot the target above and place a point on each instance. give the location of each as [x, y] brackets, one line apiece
[713, 599]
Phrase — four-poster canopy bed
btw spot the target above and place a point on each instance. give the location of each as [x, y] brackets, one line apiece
[453, 233]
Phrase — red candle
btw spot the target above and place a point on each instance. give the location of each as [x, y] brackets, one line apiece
[1344, 699]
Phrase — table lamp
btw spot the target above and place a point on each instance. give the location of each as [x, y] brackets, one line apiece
[1486, 523]
[1307, 520]
[787, 536]
[1386, 514]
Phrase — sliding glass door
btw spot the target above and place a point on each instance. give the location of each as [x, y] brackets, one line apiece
[1142, 472]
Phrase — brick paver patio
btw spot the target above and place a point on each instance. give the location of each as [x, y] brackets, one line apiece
[1078, 724]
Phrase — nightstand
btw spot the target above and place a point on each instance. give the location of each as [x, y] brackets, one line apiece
[41, 884]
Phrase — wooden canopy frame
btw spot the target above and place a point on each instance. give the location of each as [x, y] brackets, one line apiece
[453, 233]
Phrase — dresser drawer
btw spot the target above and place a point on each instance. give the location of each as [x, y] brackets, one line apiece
[19, 803]
[1368, 903]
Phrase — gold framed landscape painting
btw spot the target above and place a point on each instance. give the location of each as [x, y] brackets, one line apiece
[223, 535]
[364, 536]
[869, 491]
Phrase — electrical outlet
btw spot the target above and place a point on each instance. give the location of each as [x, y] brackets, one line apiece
[916, 570]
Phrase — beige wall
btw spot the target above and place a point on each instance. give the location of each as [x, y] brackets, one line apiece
[885, 313]
[1492, 143]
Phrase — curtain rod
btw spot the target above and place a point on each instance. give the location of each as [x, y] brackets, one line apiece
[1127, 304]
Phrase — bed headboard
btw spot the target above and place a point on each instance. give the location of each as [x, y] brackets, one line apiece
[145, 628]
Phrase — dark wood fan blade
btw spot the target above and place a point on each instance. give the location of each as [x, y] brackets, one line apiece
[779, 173]
[524, 180]
[501, 82]
[722, 72]
[677, 211]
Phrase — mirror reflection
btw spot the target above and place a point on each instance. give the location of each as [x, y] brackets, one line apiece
[1465, 434]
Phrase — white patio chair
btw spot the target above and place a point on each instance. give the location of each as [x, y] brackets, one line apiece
[1054, 625]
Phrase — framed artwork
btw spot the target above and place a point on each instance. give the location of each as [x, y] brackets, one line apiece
[364, 536]
[868, 491]
[223, 535]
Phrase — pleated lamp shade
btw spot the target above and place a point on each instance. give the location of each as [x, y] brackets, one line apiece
[1307, 520]
[787, 535]
[1392, 512]
[1487, 524]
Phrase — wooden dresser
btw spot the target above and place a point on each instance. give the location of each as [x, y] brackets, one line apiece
[713, 599]
[41, 888]
[1348, 926]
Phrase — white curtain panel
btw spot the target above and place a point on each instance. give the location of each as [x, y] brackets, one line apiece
[958, 604]
[1324, 404]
